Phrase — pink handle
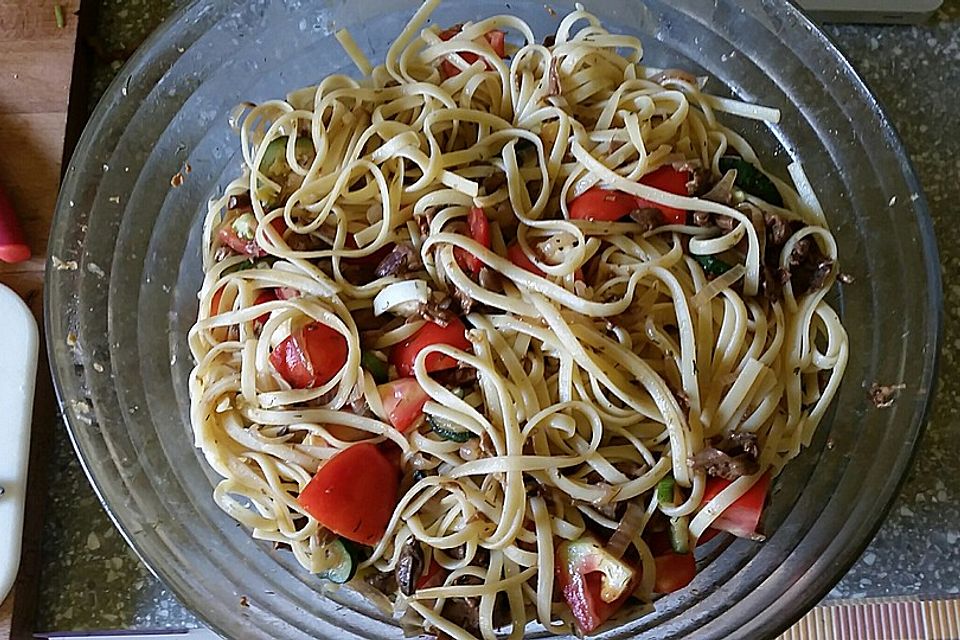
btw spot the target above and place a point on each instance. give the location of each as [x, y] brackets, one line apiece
[13, 246]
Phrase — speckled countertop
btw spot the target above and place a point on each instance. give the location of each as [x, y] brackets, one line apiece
[91, 579]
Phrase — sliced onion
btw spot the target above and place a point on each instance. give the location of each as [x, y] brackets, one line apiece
[401, 295]
[626, 531]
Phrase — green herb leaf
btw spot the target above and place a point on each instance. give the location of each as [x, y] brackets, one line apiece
[752, 180]
[712, 265]
[376, 367]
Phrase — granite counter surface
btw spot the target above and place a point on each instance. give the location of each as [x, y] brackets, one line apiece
[91, 580]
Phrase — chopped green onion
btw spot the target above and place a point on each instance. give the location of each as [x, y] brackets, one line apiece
[712, 266]
[376, 367]
[247, 264]
[665, 491]
[58, 14]
[752, 180]
[680, 534]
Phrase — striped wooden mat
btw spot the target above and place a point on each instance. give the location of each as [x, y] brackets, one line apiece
[880, 619]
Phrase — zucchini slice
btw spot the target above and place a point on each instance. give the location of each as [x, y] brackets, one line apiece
[447, 430]
[341, 558]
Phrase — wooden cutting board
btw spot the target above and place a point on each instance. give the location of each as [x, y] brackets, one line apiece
[36, 69]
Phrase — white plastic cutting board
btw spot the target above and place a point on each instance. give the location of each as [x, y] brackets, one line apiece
[18, 368]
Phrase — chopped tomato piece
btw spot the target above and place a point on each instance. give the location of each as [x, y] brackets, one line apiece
[604, 205]
[404, 354]
[391, 452]
[310, 356]
[371, 261]
[354, 494]
[267, 295]
[495, 37]
[286, 293]
[497, 40]
[674, 571]
[518, 257]
[609, 205]
[215, 302]
[240, 234]
[668, 179]
[479, 228]
[229, 236]
[432, 577]
[403, 400]
[594, 583]
[742, 517]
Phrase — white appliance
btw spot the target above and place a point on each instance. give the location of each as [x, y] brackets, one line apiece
[18, 368]
[875, 11]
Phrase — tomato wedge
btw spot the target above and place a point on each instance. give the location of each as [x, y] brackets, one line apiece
[310, 356]
[593, 583]
[742, 517]
[604, 205]
[403, 400]
[404, 354]
[674, 571]
[609, 205]
[479, 228]
[516, 255]
[354, 494]
[495, 37]
[668, 179]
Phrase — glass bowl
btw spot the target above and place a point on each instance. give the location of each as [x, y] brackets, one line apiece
[117, 323]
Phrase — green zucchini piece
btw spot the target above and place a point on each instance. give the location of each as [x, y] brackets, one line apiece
[245, 226]
[248, 264]
[712, 265]
[680, 534]
[447, 430]
[752, 180]
[274, 164]
[665, 490]
[342, 558]
[376, 367]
